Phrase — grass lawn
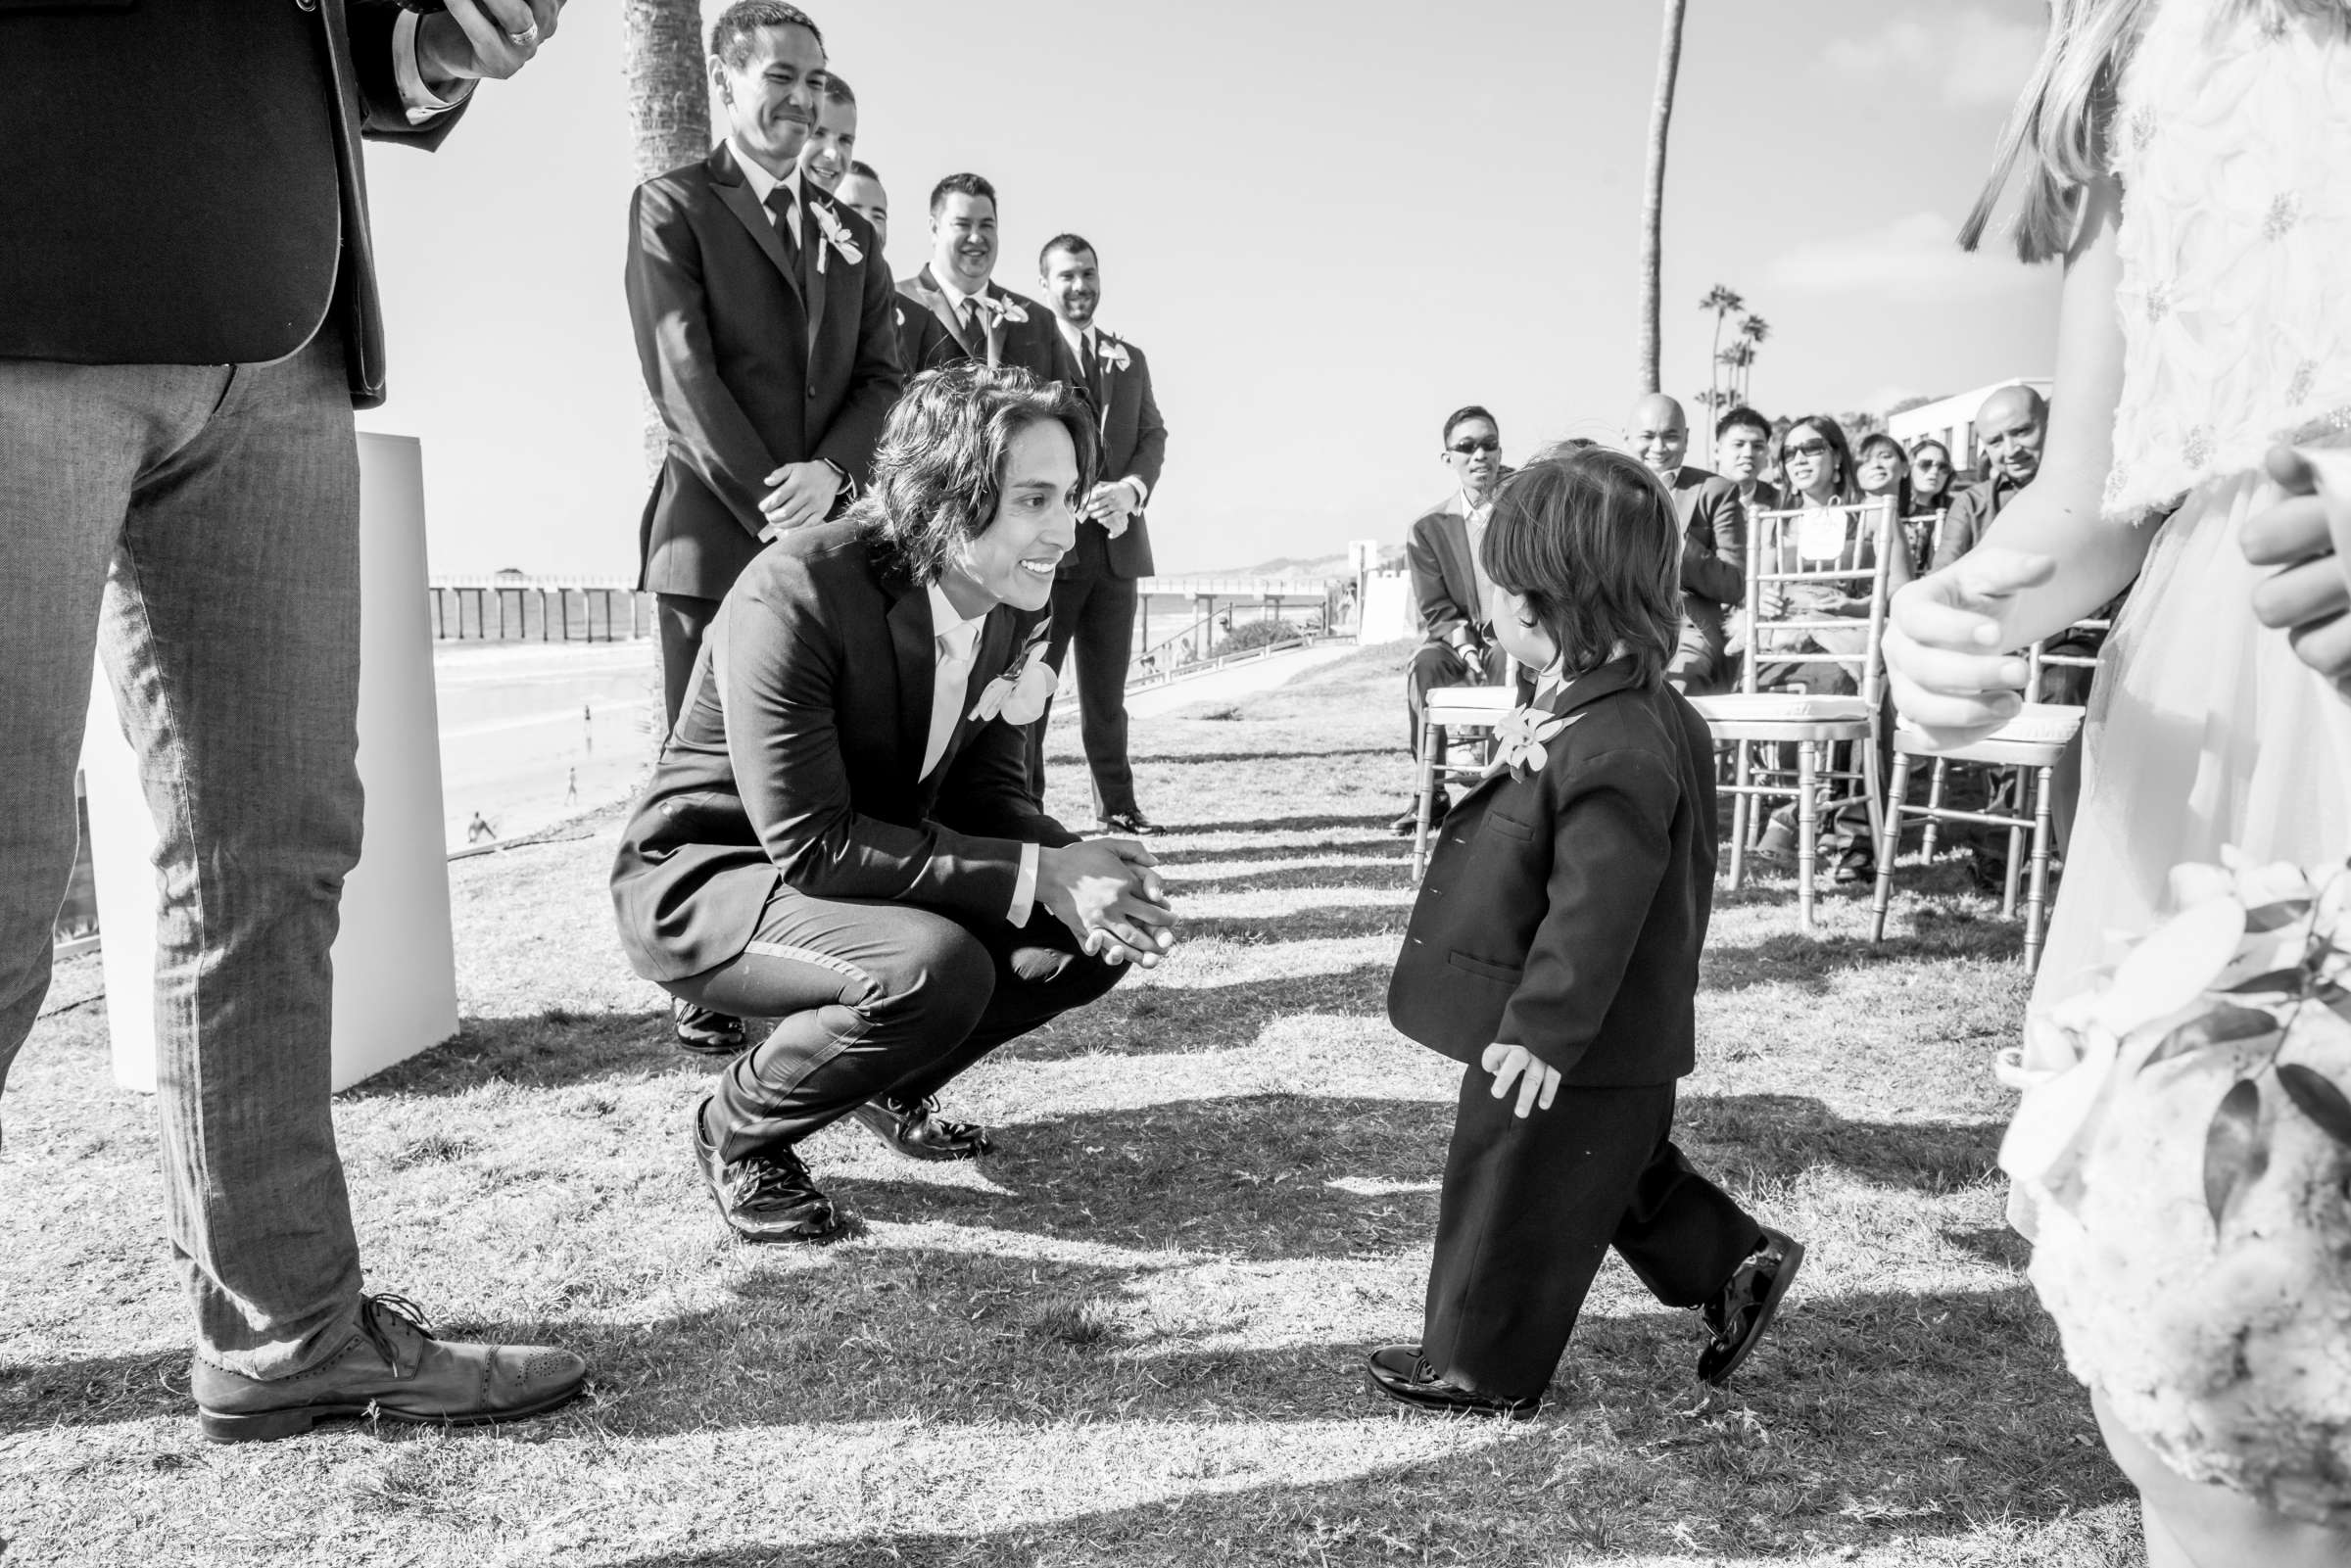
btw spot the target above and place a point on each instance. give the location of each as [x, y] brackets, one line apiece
[1135, 1334]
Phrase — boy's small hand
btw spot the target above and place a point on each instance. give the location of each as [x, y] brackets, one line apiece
[1538, 1080]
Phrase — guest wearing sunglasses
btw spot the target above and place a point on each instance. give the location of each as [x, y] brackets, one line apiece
[1817, 467]
[1452, 587]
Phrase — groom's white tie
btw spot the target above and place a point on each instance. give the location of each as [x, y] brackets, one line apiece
[955, 649]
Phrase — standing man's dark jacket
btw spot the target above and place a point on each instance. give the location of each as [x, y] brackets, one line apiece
[1134, 446]
[1565, 911]
[753, 363]
[798, 760]
[931, 336]
[1714, 571]
[214, 141]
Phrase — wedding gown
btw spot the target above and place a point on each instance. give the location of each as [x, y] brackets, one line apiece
[2228, 1353]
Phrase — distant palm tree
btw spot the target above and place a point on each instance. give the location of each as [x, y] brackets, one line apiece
[1752, 332]
[1723, 301]
[1653, 201]
[669, 110]
[1734, 360]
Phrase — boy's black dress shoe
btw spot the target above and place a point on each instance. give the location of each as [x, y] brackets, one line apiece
[1738, 1317]
[704, 1032]
[916, 1129]
[392, 1368]
[1131, 823]
[1403, 1374]
[765, 1197]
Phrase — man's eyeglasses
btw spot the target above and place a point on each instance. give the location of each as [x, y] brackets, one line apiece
[1805, 448]
[1476, 443]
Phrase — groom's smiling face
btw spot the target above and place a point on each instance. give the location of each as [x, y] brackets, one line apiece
[771, 94]
[1011, 562]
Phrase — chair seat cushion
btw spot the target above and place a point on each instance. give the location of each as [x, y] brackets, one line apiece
[1781, 708]
[2038, 728]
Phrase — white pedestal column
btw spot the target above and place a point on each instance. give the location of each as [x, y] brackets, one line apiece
[396, 990]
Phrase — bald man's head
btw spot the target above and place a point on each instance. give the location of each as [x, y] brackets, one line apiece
[1658, 434]
[2010, 430]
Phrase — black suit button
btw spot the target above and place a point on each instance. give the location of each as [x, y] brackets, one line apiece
[812, 394]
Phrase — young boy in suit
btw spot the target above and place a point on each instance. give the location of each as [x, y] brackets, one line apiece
[1554, 950]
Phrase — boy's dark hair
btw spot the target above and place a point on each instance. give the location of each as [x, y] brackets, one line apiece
[961, 185]
[1589, 540]
[731, 33]
[1462, 415]
[858, 165]
[939, 473]
[836, 87]
[1072, 243]
[1741, 416]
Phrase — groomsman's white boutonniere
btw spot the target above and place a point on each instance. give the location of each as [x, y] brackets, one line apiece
[1112, 354]
[1521, 737]
[1018, 695]
[836, 234]
[999, 311]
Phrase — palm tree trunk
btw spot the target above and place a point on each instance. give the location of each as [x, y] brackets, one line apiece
[1714, 367]
[1653, 202]
[669, 112]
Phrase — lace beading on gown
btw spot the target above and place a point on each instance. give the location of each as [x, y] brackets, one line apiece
[2233, 142]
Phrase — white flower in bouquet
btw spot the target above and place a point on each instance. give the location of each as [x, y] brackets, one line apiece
[2186, 1138]
[1020, 694]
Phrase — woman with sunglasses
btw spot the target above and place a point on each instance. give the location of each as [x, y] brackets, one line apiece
[1817, 471]
[1933, 479]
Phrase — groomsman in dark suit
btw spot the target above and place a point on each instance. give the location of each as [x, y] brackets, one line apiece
[1441, 552]
[839, 834]
[762, 313]
[953, 310]
[1713, 542]
[861, 188]
[1094, 596]
[188, 315]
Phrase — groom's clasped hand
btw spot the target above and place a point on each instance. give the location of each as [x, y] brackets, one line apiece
[1108, 893]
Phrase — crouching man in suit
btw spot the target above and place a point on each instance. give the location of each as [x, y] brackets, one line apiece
[839, 833]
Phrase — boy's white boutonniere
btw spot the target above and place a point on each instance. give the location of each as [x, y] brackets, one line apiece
[1520, 736]
[1112, 354]
[836, 234]
[1018, 695]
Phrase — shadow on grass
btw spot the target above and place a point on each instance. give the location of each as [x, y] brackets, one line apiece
[1305, 751]
[1390, 871]
[1372, 825]
[1808, 963]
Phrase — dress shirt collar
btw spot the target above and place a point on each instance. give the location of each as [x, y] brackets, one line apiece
[947, 620]
[1076, 338]
[957, 301]
[758, 178]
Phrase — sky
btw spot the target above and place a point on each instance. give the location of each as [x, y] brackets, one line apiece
[1328, 224]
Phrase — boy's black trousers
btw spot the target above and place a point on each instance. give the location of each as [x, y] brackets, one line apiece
[1529, 1209]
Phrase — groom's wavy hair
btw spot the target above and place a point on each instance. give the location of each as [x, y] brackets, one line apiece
[939, 474]
[1589, 540]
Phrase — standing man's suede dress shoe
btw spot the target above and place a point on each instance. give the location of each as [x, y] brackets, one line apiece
[1403, 1374]
[392, 1368]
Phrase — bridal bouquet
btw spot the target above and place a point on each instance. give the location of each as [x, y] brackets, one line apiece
[2186, 1139]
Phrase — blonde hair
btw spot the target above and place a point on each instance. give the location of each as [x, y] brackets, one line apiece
[2055, 138]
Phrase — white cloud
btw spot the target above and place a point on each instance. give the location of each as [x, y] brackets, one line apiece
[1912, 258]
[1975, 56]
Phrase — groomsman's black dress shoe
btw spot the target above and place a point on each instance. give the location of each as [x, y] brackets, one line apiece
[1403, 1374]
[1409, 823]
[1131, 823]
[704, 1032]
[765, 1197]
[394, 1369]
[1738, 1317]
[916, 1129]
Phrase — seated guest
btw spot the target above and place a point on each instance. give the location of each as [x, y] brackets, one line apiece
[1441, 553]
[830, 151]
[1713, 542]
[1819, 469]
[1741, 450]
[1931, 474]
[1554, 951]
[1882, 471]
[2010, 429]
[839, 831]
[861, 191]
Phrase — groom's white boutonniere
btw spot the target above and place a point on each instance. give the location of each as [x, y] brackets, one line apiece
[836, 234]
[1521, 737]
[1018, 695]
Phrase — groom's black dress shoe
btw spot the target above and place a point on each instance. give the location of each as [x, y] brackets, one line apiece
[765, 1197]
[1403, 1374]
[916, 1129]
[704, 1032]
[1738, 1317]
